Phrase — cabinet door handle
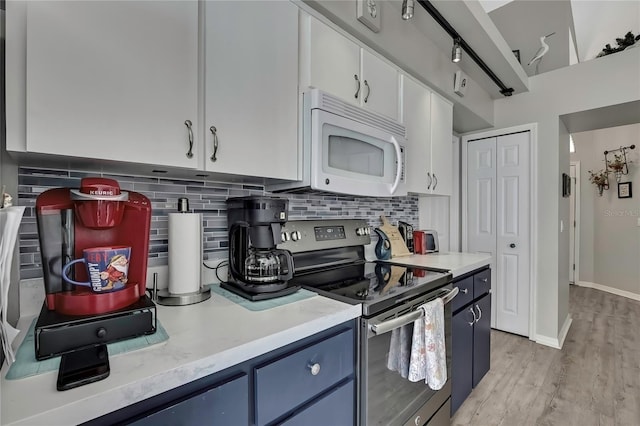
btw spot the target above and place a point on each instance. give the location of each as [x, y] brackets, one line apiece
[214, 132]
[358, 89]
[188, 123]
[479, 312]
[430, 180]
[475, 320]
[436, 181]
[314, 368]
[484, 280]
[464, 290]
[366, 98]
[512, 245]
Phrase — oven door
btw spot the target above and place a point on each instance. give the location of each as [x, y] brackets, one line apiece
[350, 157]
[387, 398]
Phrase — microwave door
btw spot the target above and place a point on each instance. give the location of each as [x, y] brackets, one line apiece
[354, 158]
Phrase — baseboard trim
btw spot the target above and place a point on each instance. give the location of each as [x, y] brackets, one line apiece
[616, 291]
[565, 330]
[556, 342]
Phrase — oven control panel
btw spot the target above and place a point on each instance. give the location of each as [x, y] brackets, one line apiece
[307, 235]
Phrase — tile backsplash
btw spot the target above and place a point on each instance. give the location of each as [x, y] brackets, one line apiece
[207, 197]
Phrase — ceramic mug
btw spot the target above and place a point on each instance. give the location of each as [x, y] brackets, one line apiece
[107, 268]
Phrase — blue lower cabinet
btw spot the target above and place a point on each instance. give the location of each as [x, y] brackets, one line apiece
[336, 408]
[461, 357]
[470, 335]
[297, 378]
[482, 339]
[226, 404]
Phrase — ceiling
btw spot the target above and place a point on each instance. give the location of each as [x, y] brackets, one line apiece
[582, 28]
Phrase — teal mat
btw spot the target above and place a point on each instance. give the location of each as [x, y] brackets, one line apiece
[261, 305]
[26, 364]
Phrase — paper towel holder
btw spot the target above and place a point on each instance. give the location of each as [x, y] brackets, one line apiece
[164, 297]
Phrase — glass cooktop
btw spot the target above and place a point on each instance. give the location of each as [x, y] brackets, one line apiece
[377, 285]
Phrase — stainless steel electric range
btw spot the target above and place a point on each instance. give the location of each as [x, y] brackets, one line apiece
[329, 259]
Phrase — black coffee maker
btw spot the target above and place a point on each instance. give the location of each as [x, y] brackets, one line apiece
[257, 269]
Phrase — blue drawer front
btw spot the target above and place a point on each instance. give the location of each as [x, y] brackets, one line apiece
[287, 383]
[227, 404]
[481, 283]
[337, 408]
[465, 295]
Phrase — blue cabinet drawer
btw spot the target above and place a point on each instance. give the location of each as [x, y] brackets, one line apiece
[481, 283]
[226, 404]
[336, 408]
[465, 295]
[289, 382]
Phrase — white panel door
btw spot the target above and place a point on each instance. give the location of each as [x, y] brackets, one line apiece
[481, 197]
[379, 85]
[252, 88]
[113, 80]
[512, 236]
[332, 61]
[441, 145]
[416, 107]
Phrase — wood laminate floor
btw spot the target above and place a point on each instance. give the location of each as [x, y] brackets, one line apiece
[593, 380]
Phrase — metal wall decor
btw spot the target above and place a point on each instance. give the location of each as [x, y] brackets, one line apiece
[616, 161]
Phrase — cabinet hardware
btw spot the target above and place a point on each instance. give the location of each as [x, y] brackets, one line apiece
[188, 123]
[479, 313]
[475, 320]
[430, 180]
[436, 181]
[484, 280]
[464, 290]
[214, 132]
[357, 81]
[314, 368]
[512, 245]
[366, 98]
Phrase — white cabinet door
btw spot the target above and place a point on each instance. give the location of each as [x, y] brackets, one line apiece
[113, 80]
[441, 145]
[251, 95]
[416, 113]
[331, 61]
[380, 85]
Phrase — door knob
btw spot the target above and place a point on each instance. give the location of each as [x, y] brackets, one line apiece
[512, 245]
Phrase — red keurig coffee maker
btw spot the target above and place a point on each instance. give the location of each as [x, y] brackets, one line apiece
[89, 304]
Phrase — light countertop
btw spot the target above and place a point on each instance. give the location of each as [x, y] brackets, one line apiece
[203, 339]
[457, 263]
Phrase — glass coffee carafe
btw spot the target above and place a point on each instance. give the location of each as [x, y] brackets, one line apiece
[267, 265]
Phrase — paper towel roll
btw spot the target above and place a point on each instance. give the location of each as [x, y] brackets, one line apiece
[185, 252]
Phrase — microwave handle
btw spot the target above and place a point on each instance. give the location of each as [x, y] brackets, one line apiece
[399, 171]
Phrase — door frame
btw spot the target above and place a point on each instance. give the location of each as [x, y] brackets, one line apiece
[533, 206]
[576, 231]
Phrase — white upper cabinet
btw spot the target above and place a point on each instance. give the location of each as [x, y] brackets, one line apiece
[113, 80]
[416, 113]
[441, 145]
[337, 65]
[429, 121]
[251, 88]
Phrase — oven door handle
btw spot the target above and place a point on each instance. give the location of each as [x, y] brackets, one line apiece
[386, 326]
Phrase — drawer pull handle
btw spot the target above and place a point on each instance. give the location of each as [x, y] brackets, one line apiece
[314, 368]
[484, 280]
[464, 290]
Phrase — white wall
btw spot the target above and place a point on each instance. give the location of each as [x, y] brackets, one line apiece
[610, 255]
[594, 84]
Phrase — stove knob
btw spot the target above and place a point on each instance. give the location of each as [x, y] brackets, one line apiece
[285, 237]
[295, 235]
[101, 332]
[360, 232]
[367, 230]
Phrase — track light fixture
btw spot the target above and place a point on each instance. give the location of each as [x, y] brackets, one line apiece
[456, 52]
[407, 9]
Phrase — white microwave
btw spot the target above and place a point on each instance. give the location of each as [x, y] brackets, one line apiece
[348, 150]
